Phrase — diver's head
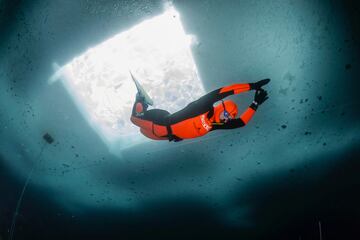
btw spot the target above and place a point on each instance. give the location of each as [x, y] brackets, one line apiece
[224, 111]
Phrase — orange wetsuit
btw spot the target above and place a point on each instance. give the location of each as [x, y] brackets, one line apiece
[195, 120]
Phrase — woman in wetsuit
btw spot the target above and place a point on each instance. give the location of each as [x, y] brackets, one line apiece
[199, 117]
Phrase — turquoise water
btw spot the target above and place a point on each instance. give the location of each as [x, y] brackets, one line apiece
[293, 166]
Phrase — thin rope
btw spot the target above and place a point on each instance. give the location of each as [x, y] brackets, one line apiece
[13, 224]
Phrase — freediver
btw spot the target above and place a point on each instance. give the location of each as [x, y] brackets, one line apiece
[199, 117]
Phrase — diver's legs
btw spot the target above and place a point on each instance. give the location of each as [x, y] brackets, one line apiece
[157, 116]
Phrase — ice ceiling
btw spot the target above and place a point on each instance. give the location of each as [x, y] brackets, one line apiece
[157, 51]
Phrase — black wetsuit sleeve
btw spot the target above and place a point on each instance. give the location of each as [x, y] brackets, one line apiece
[231, 124]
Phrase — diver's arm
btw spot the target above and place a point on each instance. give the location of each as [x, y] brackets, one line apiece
[231, 124]
[260, 97]
[237, 88]
[224, 92]
[243, 87]
[238, 122]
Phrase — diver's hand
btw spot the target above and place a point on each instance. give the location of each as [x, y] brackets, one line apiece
[257, 85]
[260, 96]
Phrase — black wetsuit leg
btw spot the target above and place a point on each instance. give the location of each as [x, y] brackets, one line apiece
[157, 116]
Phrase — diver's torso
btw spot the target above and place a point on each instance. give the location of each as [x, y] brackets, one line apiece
[192, 127]
[189, 128]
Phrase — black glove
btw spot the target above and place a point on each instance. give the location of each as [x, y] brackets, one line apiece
[260, 98]
[257, 85]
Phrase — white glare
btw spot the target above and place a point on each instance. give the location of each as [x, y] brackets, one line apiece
[157, 51]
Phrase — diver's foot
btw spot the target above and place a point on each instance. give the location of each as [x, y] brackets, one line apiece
[144, 98]
[139, 97]
[147, 99]
[141, 92]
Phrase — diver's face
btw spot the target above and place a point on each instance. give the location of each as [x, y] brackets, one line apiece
[225, 116]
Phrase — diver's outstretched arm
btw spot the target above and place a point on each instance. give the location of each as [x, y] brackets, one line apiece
[224, 92]
[260, 97]
[237, 88]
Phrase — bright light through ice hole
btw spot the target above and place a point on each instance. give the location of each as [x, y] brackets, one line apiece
[157, 51]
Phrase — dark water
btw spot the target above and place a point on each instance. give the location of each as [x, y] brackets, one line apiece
[286, 205]
[293, 168]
